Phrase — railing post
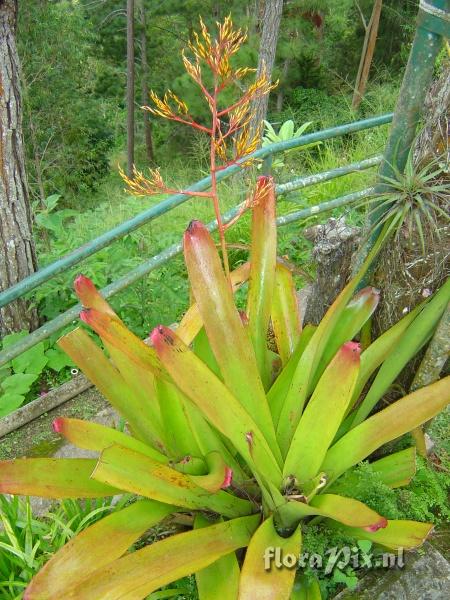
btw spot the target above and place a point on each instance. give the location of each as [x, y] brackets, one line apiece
[433, 26]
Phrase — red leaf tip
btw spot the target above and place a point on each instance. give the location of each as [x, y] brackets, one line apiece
[84, 315]
[160, 334]
[264, 180]
[83, 284]
[228, 478]
[354, 347]
[194, 226]
[381, 524]
[57, 425]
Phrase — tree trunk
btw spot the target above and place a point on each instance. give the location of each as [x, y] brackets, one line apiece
[280, 95]
[365, 63]
[404, 273]
[433, 140]
[144, 87]
[334, 245]
[130, 87]
[17, 253]
[267, 49]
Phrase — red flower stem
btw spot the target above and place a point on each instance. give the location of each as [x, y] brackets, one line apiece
[215, 198]
[193, 124]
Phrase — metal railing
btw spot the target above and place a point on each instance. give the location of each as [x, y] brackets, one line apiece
[107, 238]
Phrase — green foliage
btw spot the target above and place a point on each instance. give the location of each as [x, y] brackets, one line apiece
[415, 199]
[286, 132]
[27, 541]
[68, 131]
[22, 378]
[425, 498]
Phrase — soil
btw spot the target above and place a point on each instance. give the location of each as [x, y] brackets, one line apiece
[37, 438]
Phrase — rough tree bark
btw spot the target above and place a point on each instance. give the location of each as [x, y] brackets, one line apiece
[434, 139]
[144, 86]
[130, 87]
[268, 45]
[334, 245]
[17, 253]
[404, 273]
[365, 63]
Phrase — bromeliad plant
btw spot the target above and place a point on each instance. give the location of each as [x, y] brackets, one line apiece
[249, 442]
[240, 424]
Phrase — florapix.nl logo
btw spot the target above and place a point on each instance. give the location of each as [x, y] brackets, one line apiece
[358, 556]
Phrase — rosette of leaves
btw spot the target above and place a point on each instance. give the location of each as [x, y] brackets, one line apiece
[242, 442]
[286, 132]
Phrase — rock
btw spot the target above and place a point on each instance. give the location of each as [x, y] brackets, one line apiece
[108, 417]
[425, 576]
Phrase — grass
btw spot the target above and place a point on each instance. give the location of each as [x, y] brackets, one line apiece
[27, 541]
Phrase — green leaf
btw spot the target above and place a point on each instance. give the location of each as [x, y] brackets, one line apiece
[356, 313]
[415, 337]
[397, 534]
[202, 349]
[229, 339]
[323, 415]
[339, 508]
[96, 437]
[191, 323]
[51, 201]
[376, 353]
[144, 571]
[216, 402]
[57, 360]
[219, 476]
[19, 383]
[139, 474]
[10, 339]
[9, 402]
[52, 478]
[309, 361]
[263, 257]
[306, 587]
[177, 431]
[262, 579]
[221, 578]
[302, 128]
[365, 545]
[31, 361]
[286, 131]
[277, 393]
[286, 320]
[92, 549]
[115, 334]
[396, 470]
[397, 419]
[98, 369]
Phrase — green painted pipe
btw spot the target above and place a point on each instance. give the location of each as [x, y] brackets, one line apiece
[433, 24]
[75, 257]
[311, 211]
[71, 315]
[302, 182]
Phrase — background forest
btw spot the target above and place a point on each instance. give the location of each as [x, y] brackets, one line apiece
[73, 56]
